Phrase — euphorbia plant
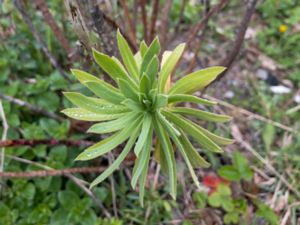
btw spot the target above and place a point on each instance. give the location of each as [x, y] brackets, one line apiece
[141, 108]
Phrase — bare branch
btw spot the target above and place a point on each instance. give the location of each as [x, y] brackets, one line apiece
[130, 24]
[21, 8]
[116, 26]
[202, 25]
[32, 108]
[228, 61]
[180, 18]
[142, 4]
[43, 7]
[164, 24]
[153, 19]
[52, 172]
[50, 142]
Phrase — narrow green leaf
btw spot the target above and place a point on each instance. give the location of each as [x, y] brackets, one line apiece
[142, 159]
[138, 60]
[127, 55]
[167, 149]
[164, 120]
[143, 48]
[153, 50]
[82, 114]
[108, 144]
[152, 71]
[115, 165]
[189, 98]
[145, 84]
[195, 158]
[128, 90]
[146, 128]
[161, 101]
[196, 81]
[188, 128]
[217, 139]
[169, 66]
[95, 105]
[142, 181]
[110, 66]
[105, 91]
[208, 116]
[182, 151]
[133, 105]
[165, 57]
[115, 125]
[83, 76]
[160, 158]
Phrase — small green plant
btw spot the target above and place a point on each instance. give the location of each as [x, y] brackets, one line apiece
[143, 104]
[239, 169]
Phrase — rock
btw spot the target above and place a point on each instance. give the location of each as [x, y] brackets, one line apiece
[280, 89]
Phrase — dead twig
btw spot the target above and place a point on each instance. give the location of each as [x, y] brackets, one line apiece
[116, 26]
[52, 172]
[165, 24]
[202, 25]
[154, 14]
[4, 136]
[21, 8]
[228, 61]
[180, 18]
[142, 4]
[51, 142]
[253, 115]
[236, 133]
[43, 7]
[129, 21]
[32, 108]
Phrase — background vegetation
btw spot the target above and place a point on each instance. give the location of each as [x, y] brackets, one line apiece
[256, 180]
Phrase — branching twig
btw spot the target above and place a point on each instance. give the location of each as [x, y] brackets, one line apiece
[21, 8]
[52, 172]
[32, 108]
[50, 142]
[228, 61]
[129, 21]
[164, 24]
[42, 6]
[153, 19]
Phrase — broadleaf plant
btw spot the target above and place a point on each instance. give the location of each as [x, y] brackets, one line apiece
[141, 109]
